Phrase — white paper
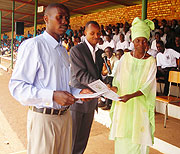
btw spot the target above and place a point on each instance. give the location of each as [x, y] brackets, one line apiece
[99, 86]
[94, 95]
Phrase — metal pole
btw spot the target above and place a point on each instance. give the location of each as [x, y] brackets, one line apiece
[35, 17]
[144, 9]
[0, 29]
[12, 38]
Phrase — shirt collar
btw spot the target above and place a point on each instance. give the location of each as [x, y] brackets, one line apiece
[90, 46]
[51, 40]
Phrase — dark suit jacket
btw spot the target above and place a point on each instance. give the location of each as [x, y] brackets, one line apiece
[83, 72]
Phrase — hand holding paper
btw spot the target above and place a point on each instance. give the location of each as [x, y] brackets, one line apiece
[99, 86]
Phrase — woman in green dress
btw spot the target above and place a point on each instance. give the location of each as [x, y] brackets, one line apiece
[132, 117]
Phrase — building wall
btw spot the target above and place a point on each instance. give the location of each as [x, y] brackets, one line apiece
[162, 9]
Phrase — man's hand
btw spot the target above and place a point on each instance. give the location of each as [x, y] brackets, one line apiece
[115, 89]
[86, 91]
[63, 98]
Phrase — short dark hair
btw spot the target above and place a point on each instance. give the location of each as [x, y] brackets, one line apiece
[91, 22]
[57, 5]
[157, 33]
[160, 42]
[109, 49]
[120, 50]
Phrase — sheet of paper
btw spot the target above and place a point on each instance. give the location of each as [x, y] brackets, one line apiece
[94, 95]
[99, 86]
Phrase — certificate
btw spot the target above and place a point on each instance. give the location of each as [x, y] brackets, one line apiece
[94, 95]
[99, 86]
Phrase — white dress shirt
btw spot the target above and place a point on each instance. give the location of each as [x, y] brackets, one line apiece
[116, 38]
[122, 45]
[131, 46]
[93, 51]
[152, 52]
[42, 67]
[153, 45]
[168, 58]
[109, 44]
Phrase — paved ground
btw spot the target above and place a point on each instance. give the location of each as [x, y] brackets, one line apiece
[13, 127]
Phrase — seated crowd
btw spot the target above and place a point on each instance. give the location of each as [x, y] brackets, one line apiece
[6, 42]
[164, 45]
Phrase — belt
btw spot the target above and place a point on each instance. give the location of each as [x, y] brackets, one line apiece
[49, 111]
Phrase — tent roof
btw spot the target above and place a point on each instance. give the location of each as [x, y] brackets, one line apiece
[24, 9]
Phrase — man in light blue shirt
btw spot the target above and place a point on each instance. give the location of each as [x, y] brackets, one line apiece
[40, 80]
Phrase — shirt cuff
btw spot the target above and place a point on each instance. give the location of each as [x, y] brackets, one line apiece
[47, 98]
[75, 91]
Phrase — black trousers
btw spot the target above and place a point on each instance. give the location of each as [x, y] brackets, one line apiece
[165, 73]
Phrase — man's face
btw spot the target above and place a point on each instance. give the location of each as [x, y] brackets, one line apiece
[108, 38]
[140, 44]
[108, 52]
[157, 37]
[177, 41]
[122, 38]
[116, 31]
[57, 21]
[92, 33]
[118, 54]
[166, 30]
[160, 48]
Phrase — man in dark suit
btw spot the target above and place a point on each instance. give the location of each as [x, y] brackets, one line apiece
[86, 67]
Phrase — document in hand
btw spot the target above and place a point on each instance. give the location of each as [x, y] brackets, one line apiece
[98, 86]
[94, 95]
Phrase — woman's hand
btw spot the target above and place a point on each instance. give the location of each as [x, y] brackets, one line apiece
[125, 98]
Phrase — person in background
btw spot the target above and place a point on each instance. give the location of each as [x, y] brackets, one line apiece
[132, 117]
[77, 40]
[162, 35]
[163, 23]
[109, 42]
[5, 37]
[157, 38]
[119, 53]
[166, 61]
[65, 44]
[131, 45]
[122, 44]
[70, 43]
[116, 35]
[29, 35]
[69, 30]
[177, 43]
[100, 44]
[150, 51]
[111, 59]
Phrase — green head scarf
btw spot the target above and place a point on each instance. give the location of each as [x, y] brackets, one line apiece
[141, 28]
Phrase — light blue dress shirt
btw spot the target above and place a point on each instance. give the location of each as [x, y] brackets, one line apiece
[42, 67]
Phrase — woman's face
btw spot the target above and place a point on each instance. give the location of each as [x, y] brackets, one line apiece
[140, 44]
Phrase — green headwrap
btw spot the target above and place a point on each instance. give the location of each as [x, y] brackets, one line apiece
[141, 28]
